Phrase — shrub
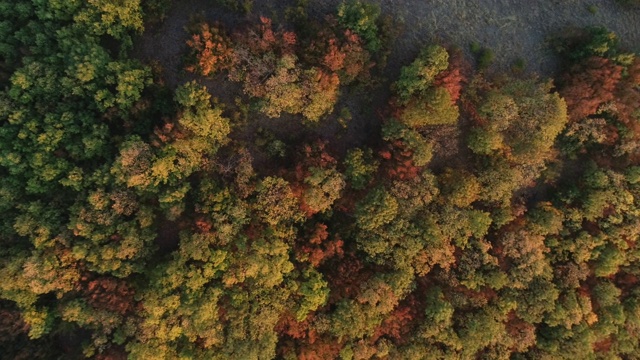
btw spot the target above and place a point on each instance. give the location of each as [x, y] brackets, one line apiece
[155, 11]
[518, 65]
[486, 58]
[241, 7]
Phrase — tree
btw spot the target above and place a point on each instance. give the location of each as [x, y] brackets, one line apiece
[377, 209]
[588, 85]
[404, 139]
[526, 254]
[276, 203]
[265, 61]
[360, 167]
[434, 107]
[523, 118]
[115, 18]
[459, 188]
[421, 74]
[324, 186]
[211, 49]
[361, 18]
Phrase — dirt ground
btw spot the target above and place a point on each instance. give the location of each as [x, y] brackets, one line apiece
[513, 29]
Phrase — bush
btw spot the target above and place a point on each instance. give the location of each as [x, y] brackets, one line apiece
[629, 2]
[155, 11]
[241, 7]
[486, 58]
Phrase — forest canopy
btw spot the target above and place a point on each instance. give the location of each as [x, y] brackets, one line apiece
[289, 192]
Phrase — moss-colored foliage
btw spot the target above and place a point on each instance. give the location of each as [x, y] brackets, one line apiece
[422, 99]
[420, 75]
[362, 18]
[431, 108]
[422, 148]
[360, 168]
[324, 186]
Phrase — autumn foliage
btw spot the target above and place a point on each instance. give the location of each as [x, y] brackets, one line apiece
[109, 294]
[453, 78]
[439, 214]
[589, 85]
[210, 48]
[318, 246]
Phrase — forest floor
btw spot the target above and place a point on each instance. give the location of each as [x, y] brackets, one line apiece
[515, 30]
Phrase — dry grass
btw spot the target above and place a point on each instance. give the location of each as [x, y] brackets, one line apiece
[513, 29]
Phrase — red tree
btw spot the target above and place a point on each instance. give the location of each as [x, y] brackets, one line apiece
[317, 246]
[210, 48]
[589, 85]
[109, 293]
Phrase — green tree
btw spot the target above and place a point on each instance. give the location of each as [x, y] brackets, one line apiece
[276, 203]
[360, 167]
[420, 75]
[362, 18]
[323, 188]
